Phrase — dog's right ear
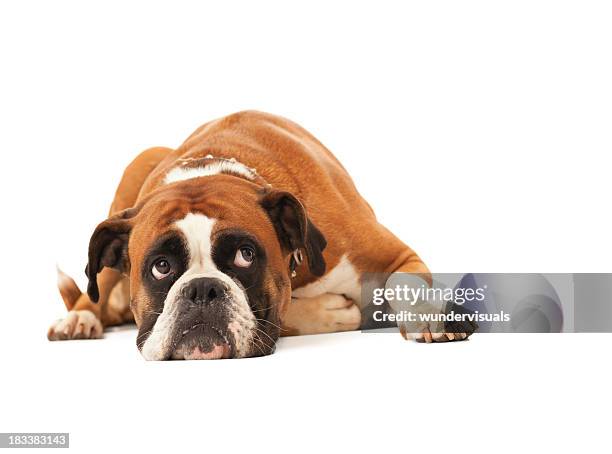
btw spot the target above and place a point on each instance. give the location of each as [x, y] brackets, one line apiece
[294, 229]
[108, 247]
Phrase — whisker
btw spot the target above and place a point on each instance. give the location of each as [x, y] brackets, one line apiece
[267, 321]
[257, 345]
[261, 310]
[263, 340]
[141, 343]
[267, 335]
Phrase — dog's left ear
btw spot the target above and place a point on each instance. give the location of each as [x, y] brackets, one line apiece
[294, 229]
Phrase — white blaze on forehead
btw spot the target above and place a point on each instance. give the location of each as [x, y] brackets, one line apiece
[197, 230]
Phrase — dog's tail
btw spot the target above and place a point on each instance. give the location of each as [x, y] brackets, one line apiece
[68, 289]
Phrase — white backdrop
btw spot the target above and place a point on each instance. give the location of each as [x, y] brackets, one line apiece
[479, 131]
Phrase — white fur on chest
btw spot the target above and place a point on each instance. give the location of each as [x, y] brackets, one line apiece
[343, 279]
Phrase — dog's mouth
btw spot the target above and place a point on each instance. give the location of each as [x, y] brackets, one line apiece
[202, 341]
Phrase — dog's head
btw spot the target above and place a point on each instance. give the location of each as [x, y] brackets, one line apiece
[208, 261]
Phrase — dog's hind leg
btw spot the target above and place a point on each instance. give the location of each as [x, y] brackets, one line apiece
[87, 320]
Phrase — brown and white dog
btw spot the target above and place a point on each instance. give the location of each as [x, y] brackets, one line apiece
[204, 244]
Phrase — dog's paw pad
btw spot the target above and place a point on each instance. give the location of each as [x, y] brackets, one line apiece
[81, 324]
[428, 337]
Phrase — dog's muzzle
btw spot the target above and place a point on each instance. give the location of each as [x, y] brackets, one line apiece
[203, 320]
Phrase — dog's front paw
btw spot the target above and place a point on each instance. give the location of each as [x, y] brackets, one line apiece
[338, 313]
[81, 324]
[326, 313]
[425, 330]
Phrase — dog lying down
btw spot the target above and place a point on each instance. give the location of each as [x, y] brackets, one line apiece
[248, 231]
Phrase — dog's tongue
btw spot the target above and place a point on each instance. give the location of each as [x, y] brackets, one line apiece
[217, 352]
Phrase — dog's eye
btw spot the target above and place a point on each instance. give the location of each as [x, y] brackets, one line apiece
[161, 269]
[244, 257]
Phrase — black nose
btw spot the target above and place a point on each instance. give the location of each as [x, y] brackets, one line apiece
[203, 290]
